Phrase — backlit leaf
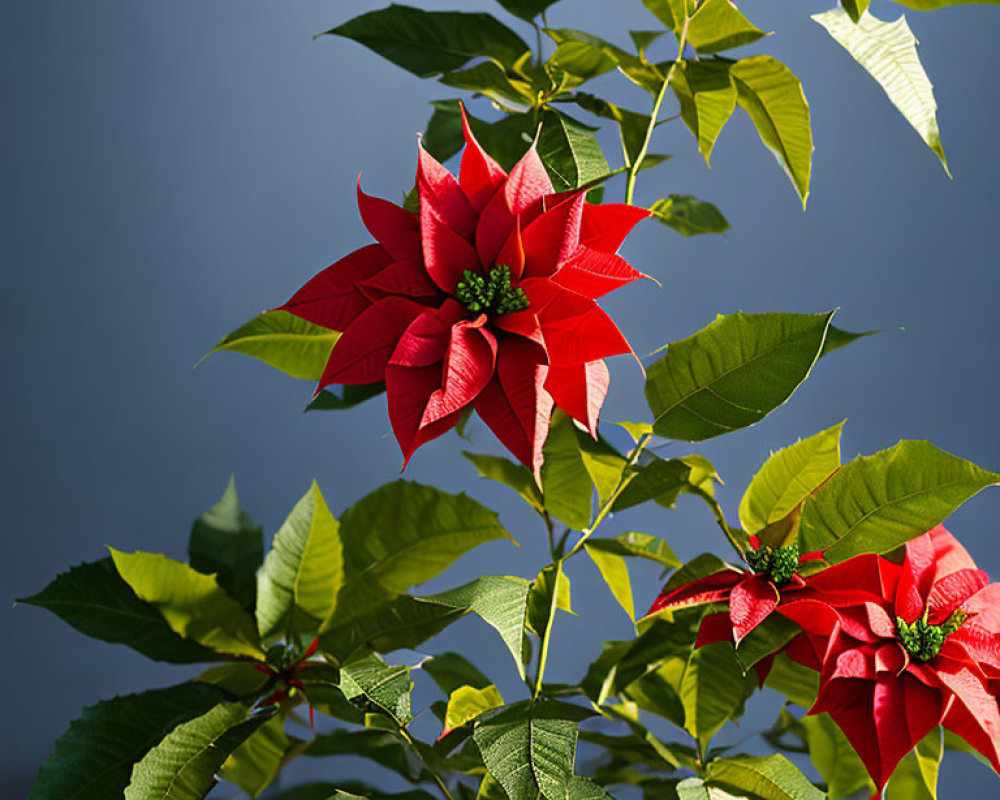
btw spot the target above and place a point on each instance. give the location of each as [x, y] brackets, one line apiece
[467, 702]
[615, 573]
[707, 96]
[765, 777]
[255, 764]
[192, 603]
[285, 342]
[566, 485]
[638, 545]
[888, 51]
[719, 25]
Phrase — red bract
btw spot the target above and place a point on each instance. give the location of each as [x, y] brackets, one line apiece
[485, 300]
[903, 648]
[752, 595]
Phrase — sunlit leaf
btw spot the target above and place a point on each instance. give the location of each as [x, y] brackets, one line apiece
[283, 341]
[615, 573]
[566, 485]
[638, 545]
[707, 96]
[719, 25]
[888, 51]
[570, 151]
[255, 764]
[663, 481]
[491, 80]
[771, 777]
[796, 682]
[386, 689]
[183, 766]
[788, 477]
[468, 702]
[773, 98]
[513, 476]
[192, 603]
[875, 503]
[688, 215]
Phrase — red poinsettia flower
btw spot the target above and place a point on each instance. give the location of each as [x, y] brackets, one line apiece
[903, 648]
[484, 299]
[752, 594]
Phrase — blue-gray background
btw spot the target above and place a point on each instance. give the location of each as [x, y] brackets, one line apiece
[170, 169]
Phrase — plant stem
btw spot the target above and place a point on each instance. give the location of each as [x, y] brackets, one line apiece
[550, 527]
[636, 165]
[720, 518]
[437, 778]
[543, 655]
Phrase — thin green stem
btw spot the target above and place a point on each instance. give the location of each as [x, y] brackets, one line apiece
[543, 655]
[636, 164]
[550, 527]
[538, 42]
[720, 519]
[437, 778]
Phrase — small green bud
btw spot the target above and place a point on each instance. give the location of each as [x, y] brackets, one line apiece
[491, 294]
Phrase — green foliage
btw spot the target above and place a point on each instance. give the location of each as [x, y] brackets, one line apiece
[255, 764]
[732, 373]
[530, 749]
[875, 503]
[349, 397]
[93, 759]
[788, 477]
[192, 603]
[428, 43]
[663, 481]
[719, 25]
[689, 216]
[385, 748]
[888, 51]
[451, 671]
[183, 766]
[566, 485]
[298, 583]
[707, 96]
[468, 702]
[283, 341]
[514, 476]
[768, 777]
[614, 570]
[226, 542]
[95, 600]
[371, 684]
[833, 756]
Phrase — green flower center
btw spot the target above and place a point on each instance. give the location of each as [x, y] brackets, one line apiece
[780, 564]
[923, 640]
[490, 294]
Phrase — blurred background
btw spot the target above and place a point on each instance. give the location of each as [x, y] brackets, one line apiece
[171, 169]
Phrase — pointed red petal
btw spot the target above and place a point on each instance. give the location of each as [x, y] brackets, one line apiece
[855, 720]
[576, 329]
[408, 390]
[496, 222]
[440, 191]
[395, 228]
[905, 711]
[425, 341]
[480, 176]
[594, 274]
[605, 226]
[952, 590]
[332, 298]
[402, 278]
[750, 603]
[949, 555]
[468, 367]
[580, 391]
[361, 354]
[714, 628]
[446, 254]
[552, 237]
[712, 588]
[512, 252]
[974, 716]
[514, 404]
[527, 184]
[523, 323]
[985, 606]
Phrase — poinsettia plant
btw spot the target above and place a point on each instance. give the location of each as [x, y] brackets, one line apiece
[480, 295]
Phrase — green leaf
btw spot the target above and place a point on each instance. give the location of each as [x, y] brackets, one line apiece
[932, 5]
[796, 682]
[671, 13]
[788, 477]
[875, 503]
[192, 603]
[443, 135]
[719, 25]
[501, 602]
[713, 688]
[239, 678]
[604, 464]
[385, 748]
[402, 622]
[632, 126]
[888, 51]
[514, 476]
[855, 8]
[765, 777]
[663, 481]
[733, 373]
[283, 341]
[766, 639]
[183, 766]
[255, 764]
[688, 215]
[615, 573]
[638, 545]
[697, 789]
[530, 748]
[93, 759]
[468, 702]
[707, 96]
[226, 542]
[349, 397]
[302, 572]
[570, 151]
[402, 535]
[773, 98]
[428, 43]
[526, 9]
[372, 682]
[451, 671]
[584, 56]
[833, 756]
[491, 80]
[566, 485]
[550, 592]
[95, 600]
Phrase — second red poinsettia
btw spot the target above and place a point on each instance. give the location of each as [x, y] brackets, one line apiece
[903, 648]
[484, 299]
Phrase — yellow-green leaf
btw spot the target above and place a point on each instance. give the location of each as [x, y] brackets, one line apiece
[192, 603]
[615, 573]
[719, 25]
[467, 702]
[707, 96]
